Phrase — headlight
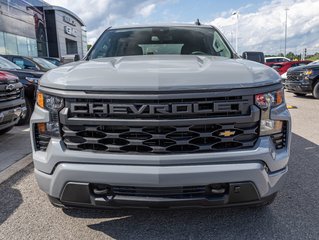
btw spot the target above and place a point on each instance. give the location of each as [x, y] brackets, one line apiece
[32, 80]
[53, 104]
[267, 101]
[308, 72]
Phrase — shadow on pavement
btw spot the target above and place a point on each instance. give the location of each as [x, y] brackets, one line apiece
[293, 215]
[11, 198]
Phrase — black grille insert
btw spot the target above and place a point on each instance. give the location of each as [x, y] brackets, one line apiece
[159, 139]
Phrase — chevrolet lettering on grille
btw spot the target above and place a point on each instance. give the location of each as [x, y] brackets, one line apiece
[152, 109]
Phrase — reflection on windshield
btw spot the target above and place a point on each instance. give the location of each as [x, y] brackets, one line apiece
[4, 63]
[44, 63]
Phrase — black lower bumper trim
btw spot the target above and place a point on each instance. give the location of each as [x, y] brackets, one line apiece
[81, 195]
[298, 87]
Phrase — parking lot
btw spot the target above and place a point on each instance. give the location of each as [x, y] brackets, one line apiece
[25, 212]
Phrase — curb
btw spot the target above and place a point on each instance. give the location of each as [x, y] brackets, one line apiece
[14, 168]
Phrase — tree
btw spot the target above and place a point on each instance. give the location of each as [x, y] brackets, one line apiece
[89, 46]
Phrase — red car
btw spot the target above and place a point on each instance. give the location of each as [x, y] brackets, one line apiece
[283, 67]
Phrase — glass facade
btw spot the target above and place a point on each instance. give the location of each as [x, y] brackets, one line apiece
[17, 45]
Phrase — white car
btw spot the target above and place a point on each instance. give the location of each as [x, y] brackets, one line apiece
[276, 59]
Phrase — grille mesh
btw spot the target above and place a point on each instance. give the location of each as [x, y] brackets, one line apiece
[158, 139]
[294, 76]
[9, 95]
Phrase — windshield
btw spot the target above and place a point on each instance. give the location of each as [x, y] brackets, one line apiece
[161, 40]
[314, 63]
[44, 63]
[4, 63]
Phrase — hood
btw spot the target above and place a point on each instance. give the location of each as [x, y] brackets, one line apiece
[160, 73]
[303, 68]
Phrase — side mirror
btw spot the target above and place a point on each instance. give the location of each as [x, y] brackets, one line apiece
[254, 56]
[70, 58]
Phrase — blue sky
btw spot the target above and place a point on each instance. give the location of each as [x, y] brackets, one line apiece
[261, 23]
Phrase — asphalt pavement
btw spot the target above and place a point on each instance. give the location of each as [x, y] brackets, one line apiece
[25, 212]
[14, 145]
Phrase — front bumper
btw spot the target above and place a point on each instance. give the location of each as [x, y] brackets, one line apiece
[246, 182]
[12, 113]
[298, 87]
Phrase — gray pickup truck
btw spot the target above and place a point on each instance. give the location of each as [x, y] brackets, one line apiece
[12, 103]
[161, 116]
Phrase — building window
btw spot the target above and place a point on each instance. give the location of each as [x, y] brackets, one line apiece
[22, 46]
[17, 45]
[71, 46]
[11, 44]
[2, 46]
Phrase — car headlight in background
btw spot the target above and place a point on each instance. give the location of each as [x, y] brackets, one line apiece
[32, 80]
[53, 104]
[308, 72]
[267, 101]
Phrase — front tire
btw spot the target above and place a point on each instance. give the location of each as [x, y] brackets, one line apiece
[300, 94]
[315, 91]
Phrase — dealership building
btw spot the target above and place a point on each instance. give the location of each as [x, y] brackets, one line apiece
[35, 28]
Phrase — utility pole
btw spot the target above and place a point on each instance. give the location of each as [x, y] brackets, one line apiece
[305, 53]
[237, 23]
[286, 31]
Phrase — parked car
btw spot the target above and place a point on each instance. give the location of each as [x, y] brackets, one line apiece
[29, 79]
[12, 104]
[283, 67]
[53, 60]
[31, 63]
[303, 80]
[271, 60]
[161, 116]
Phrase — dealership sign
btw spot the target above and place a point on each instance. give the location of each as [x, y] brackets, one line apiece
[69, 20]
[70, 31]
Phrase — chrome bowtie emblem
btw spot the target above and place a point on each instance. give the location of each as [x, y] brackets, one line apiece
[10, 87]
[227, 133]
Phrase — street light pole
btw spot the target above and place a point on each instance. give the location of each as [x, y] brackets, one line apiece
[237, 23]
[286, 31]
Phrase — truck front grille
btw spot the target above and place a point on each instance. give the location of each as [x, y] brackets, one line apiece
[160, 123]
[295, 76]
[9, 95]
[161, 139]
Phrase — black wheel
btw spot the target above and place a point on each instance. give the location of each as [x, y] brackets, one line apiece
[300, 94]
[26, 118]
[3, 131]
[315, 91]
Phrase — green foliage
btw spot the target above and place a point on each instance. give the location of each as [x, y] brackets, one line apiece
[313, 57]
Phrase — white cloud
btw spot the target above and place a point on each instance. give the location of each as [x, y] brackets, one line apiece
[263, 30]
[100, 14]
[147, 10]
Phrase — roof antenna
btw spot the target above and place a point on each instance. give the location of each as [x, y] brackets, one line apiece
[198, 22]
